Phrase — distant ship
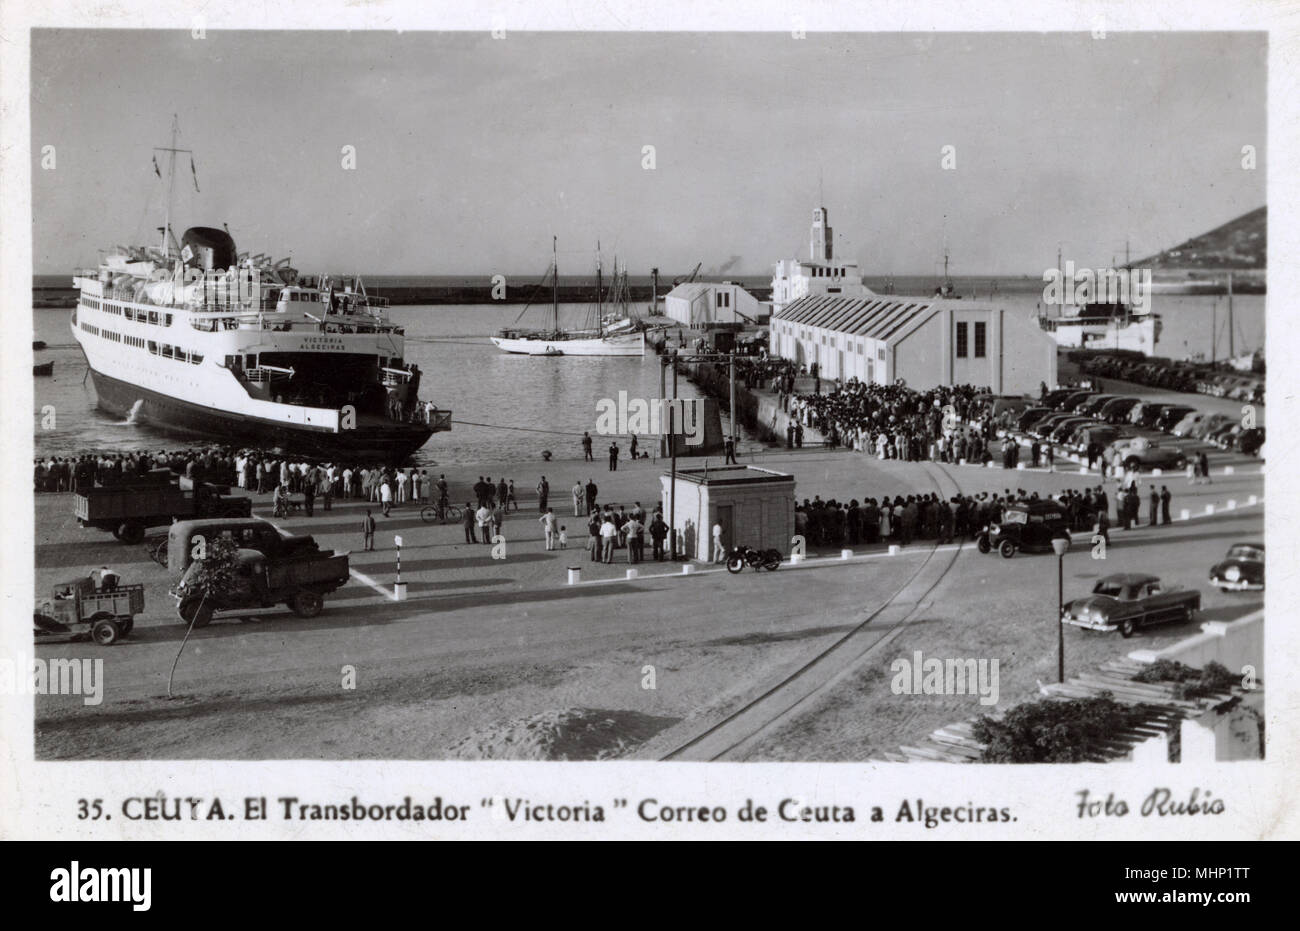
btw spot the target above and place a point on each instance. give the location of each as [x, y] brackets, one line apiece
[1111, 325]
[618, 337]
[195, 338]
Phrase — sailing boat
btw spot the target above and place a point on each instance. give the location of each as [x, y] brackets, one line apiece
[595, 341]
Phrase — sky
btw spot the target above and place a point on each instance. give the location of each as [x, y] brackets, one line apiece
[472, 152]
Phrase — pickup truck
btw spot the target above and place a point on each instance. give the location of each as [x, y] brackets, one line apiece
[129, 509]
[300, 582]
[1127, 601]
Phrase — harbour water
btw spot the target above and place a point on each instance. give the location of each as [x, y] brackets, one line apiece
[511, 408]
[532, 403]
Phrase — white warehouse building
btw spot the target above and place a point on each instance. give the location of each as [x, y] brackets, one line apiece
[701, 304]
[921, 342]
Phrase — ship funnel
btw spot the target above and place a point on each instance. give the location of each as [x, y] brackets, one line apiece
[207, 248]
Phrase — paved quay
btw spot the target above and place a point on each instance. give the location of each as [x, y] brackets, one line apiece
[489, 656]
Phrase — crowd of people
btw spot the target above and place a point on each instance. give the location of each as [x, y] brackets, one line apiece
[903, 519]
[896, 422]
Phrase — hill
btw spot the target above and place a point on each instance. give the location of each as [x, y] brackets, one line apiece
[1238, 244]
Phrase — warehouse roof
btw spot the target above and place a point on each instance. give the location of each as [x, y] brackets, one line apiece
[875, 317]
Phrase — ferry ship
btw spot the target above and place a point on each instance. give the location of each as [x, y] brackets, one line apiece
[194, 338]
[1112, 325]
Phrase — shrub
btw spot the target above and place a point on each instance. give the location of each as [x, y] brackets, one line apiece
[1055, 731]
[1190, 683]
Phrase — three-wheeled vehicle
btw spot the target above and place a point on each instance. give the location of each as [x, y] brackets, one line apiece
[1026, 525]
[75, 609]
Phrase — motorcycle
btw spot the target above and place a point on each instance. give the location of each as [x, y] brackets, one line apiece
[742, 556]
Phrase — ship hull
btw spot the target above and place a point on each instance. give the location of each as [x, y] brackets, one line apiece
[624, 344]
[384, 441]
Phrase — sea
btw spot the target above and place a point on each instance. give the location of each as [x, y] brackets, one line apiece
[512, 408]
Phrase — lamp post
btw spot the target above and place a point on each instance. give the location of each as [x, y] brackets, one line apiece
[1062, 546]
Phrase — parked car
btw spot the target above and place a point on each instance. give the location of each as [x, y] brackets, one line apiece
[1138, 456]
[1128, 601]
[1031, 416]
[1184, 426]
[1065, 428]
[1250, 442]
[1172, 415]
[1242, 569]
[1095, 404]
[1103, 435]
[1072, 402]
[1055, 397]
[1042, 428]
[1203, 428]
[1029, 525]
[1118, 410]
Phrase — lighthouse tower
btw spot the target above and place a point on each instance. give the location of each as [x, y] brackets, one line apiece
[820, 247]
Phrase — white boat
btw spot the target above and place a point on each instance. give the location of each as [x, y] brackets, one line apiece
[1105, 326]
[570, 343]
[601, 340]
[196, 339]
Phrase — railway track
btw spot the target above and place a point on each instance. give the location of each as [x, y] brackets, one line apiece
[732, 735]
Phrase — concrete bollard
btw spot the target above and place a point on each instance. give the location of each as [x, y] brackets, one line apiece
[1156, 473]
[631, 574]
[1184, 514]
[893, 549]
[991, 465]
[688, 569]
[961, 462]
[1253, 499]
[1231, 505]
[796, 558]
[575, 575]
[1209, 509]
[1228, 470]
[846, 554]
[1020, 467]
[1083, 471]
[399, 591]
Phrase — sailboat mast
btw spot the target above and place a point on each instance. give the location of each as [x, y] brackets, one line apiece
[600, 322]
[555, 287]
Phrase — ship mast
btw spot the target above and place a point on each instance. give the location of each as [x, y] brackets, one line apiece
[171, 183]
[600, 322]
[555, 288]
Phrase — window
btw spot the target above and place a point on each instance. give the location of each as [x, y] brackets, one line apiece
[881, 353]
[981, 340]
[961, 341]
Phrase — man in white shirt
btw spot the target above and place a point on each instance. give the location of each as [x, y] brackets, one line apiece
[608, 534]
[386, 497]
[483, 517]
[401, 485]
[347, 483]
[719, 551]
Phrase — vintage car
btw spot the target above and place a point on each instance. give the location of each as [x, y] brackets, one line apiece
[1138, 453]
[299, 581]
[1241, 570]
[1172, 415]
[1127, 601]
[1026, 525]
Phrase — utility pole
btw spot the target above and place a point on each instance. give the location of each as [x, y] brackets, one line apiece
[672, 481]
[731, 369]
